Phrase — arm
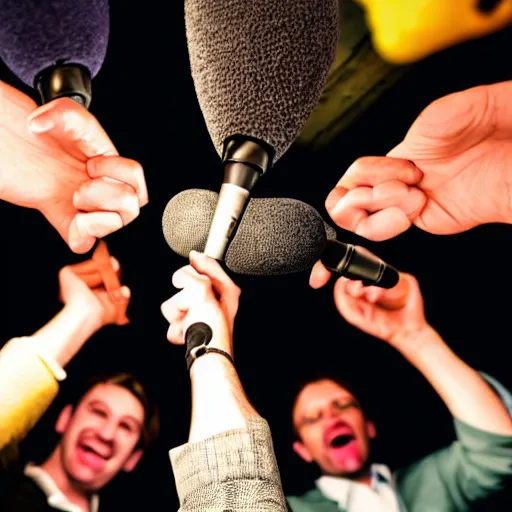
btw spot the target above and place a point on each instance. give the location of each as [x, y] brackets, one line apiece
[225, 427]
[464, 391]
[479, 463]
[30, 367]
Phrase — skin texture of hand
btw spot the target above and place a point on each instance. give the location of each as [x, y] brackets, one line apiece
[58, 159]
[359, 306]
[81, 285]
[207, 295]
[452, 171]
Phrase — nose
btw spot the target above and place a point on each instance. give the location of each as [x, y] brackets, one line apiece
[107, 431]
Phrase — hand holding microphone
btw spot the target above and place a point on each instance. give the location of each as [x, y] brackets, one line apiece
[202, 313]
[57, 158]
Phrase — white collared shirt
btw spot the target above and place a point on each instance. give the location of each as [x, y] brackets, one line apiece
[356, 497]
[56, 498]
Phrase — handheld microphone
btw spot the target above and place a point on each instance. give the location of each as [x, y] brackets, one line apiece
[276, 236]
[55, 46]
[258, 73]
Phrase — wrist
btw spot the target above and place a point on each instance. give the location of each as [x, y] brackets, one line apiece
[411, 341]
[85, 315]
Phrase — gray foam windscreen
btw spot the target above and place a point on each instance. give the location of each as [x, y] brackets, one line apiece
[276, 235]
[259, 67]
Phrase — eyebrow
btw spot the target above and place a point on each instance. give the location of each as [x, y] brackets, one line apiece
[97, 401]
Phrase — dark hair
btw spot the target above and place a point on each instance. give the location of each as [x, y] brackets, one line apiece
[356, 391]
[151, 427]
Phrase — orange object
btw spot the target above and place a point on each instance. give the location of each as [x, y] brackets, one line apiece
[101, 257]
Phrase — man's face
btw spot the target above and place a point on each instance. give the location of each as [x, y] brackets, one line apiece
[99, 437]
[333, 430]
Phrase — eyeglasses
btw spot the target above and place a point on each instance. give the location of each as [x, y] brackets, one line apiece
[340, 406]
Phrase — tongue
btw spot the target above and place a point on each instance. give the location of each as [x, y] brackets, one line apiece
[91, 459]
[347, 456]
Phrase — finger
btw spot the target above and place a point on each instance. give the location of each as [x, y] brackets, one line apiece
[356, 204]
[373, 294]
[86, 228]
[175, 308]
[221, 282]
[199, 284]
[121, 169]
[350, 308]
[355, 289]
[319, 276]
[102, 195]
[369, 171]
[175, 334]
[73, 127]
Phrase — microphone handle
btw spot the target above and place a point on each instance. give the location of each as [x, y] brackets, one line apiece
[66, 80]
[359, 264]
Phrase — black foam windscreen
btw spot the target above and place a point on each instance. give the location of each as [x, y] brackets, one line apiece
[259, 67]
[37, 34]
[275, 236]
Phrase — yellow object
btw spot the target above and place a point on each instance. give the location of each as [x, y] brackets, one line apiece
[357, 78]
[27, 388]
[405, 31]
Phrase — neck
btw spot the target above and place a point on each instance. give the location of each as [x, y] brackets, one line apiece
[53, 467]
[362, 477]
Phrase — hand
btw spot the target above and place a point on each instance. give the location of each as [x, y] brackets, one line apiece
[368, 309]
[207, 295]
[81, 286]
[58, 159]
[452, 171]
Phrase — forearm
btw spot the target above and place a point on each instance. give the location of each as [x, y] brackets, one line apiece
[464, 391]
[27, 388]
[219, 402]
[65, 334]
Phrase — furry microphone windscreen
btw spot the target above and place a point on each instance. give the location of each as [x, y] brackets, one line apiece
[37, 34]
[259, 67]
[276, 236]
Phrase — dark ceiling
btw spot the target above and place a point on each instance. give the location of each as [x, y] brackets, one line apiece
[144, 97]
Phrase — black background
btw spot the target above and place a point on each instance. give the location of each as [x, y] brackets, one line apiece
[144, 98]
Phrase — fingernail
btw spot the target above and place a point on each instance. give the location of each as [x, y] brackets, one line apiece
[40, 123]
[115, 263]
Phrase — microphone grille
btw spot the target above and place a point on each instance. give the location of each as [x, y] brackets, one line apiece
[276, 236]
[36, 34]
[259, 67]
[187, 218]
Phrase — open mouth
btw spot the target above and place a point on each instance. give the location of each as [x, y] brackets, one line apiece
[92, 458]
[342, 440]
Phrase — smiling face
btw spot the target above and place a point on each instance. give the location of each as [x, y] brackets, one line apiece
[100, 435]
[332, 428]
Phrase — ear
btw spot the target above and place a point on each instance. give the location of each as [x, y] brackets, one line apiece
[302, 451]
[133, 460]
[63, 420]
[371, 430]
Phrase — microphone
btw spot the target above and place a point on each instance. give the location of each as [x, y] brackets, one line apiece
[275, 236]
[55, 46]
[258, 73]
